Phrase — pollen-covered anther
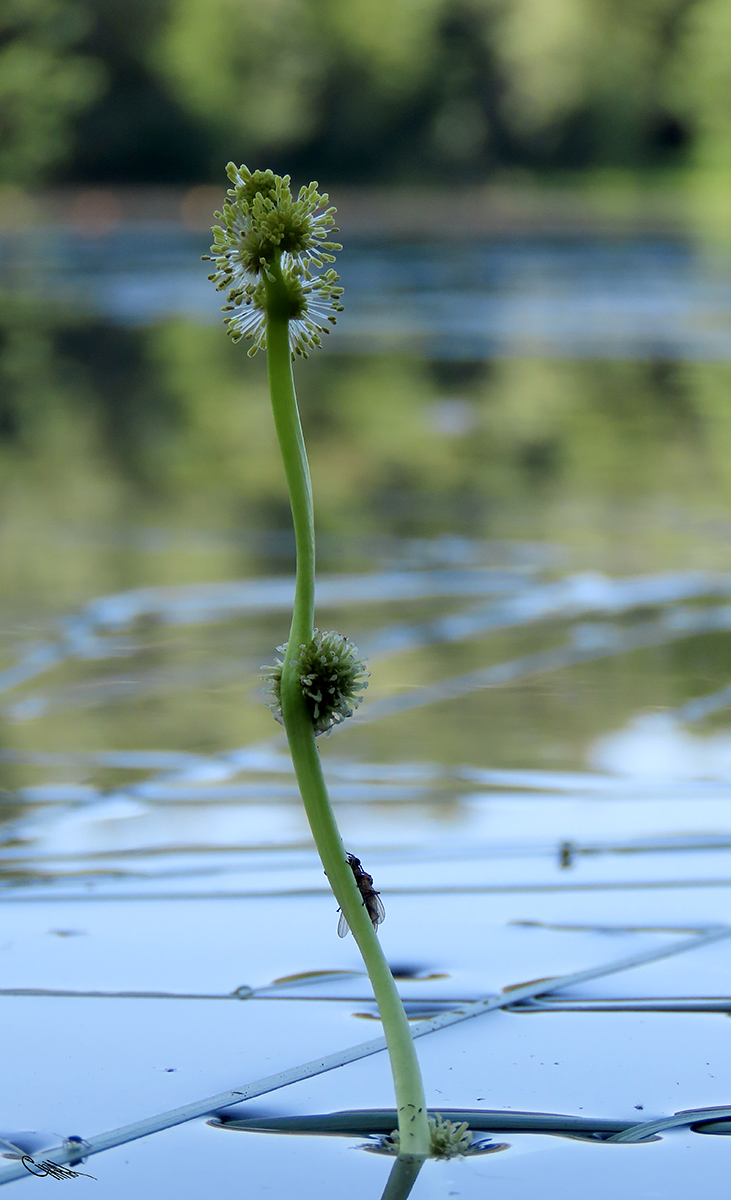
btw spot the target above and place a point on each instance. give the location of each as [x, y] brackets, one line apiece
[331, 676]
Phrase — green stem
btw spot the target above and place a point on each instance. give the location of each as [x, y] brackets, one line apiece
[412, 1114]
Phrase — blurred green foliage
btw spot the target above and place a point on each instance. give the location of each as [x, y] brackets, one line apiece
[44, 84]
[169, 426]
[369, 90]
[131, 457]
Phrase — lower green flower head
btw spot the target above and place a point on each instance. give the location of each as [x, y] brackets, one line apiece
[448, 1139]
[331, 677]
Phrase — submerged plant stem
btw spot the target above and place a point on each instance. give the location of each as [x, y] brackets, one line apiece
[412, 1115]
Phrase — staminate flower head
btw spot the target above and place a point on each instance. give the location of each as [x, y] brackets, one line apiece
[311, 303]
[266, 234]
[331, 677]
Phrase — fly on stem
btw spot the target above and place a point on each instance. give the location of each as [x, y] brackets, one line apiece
[271, 254]
[371, 898]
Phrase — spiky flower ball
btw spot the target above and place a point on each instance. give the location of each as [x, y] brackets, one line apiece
[331, 677]
[448, 1139]
[265, 229]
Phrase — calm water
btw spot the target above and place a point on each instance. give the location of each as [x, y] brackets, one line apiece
[610, 298]
[521, 461]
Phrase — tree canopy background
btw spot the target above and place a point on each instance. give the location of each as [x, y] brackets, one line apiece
[370, 90]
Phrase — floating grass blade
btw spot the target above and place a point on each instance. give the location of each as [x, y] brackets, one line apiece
[365, 1122]
[211, 1104]
[687, 1117]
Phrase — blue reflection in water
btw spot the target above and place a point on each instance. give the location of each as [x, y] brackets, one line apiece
[568, 298]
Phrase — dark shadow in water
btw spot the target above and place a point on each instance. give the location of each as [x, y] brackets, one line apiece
[381, 1122]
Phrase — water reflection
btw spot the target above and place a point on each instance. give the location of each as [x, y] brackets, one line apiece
[534, 555]
[166, 428]
[568, 297]
[402, 1177]
[122, 447]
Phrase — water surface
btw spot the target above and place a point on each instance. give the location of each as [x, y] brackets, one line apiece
[520, 457]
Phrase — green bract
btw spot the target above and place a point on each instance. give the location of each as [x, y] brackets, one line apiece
[268, 235]
[331, 677]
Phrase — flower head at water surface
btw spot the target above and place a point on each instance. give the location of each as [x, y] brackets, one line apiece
[448, 1139]
[265, 250]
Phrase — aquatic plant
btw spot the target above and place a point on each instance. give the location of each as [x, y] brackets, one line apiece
[271, 252]
[448, 1139]
[331, 678]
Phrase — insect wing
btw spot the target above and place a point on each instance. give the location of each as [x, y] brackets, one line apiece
[376, 911]
[343, 927]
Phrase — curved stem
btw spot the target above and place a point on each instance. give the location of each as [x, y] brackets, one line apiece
[412, 1114]
[294, 456]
